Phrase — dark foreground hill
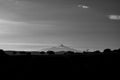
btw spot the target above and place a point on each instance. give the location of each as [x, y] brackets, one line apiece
[37, 66]
[28, 66]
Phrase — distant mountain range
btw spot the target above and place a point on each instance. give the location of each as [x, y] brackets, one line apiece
[60, 48]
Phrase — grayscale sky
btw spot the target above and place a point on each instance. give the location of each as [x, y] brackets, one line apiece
[81, 24]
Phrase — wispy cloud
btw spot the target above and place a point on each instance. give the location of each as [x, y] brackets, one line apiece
[26, 44]
[9, 27]
[8, 1]
[83, 6]
[114, 17]
[2, 21]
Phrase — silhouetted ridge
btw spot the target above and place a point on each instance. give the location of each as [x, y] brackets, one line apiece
[24, 63]
[2, 53]
[52, 52]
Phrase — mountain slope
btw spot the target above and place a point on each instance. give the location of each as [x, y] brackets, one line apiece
[60, 48]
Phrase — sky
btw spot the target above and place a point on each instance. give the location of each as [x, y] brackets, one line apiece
[81, 24]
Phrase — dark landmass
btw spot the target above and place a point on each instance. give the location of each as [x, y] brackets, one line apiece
[34, 64]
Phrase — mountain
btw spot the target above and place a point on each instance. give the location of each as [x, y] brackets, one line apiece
[60, 48]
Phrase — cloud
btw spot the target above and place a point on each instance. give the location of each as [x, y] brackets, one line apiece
[83, 6]
[114, 17]
[2, 21]
[9, 27]
[26, 44]
[8, 1]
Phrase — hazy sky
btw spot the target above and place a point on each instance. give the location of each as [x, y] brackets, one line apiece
[81, 24]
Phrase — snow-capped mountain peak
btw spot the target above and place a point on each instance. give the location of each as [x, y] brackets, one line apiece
[60, 48]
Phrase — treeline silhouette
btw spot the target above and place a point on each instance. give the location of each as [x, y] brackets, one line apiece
[35, 64]
[87, 53]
